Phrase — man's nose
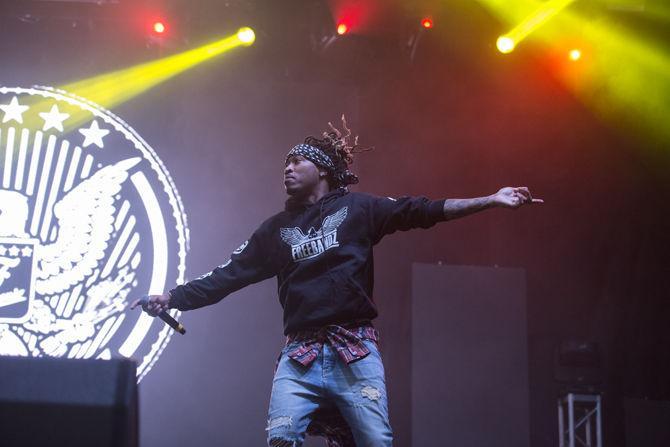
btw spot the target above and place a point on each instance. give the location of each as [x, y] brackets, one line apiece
[288, 169]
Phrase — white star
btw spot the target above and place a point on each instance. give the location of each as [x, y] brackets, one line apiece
[13, 111]
[14, 251]
[93, 135]
[26, 251]
[3, 250]
[54, 118]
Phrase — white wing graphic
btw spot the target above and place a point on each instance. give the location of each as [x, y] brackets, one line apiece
[85, 223]
[330, 223]
[292, 236]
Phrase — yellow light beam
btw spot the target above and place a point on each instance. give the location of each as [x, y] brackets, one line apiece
[111, 89]
[627, 74]
[539, 17]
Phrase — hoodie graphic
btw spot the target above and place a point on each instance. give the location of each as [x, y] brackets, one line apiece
[312, 244]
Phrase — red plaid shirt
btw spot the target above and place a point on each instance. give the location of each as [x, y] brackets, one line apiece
[347, 340]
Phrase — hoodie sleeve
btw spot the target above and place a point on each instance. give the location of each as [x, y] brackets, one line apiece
[388, 215]
[249, 264]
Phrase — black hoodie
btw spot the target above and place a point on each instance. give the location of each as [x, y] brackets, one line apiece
[321, 254]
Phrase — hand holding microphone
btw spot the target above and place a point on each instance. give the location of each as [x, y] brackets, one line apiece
[157, 306]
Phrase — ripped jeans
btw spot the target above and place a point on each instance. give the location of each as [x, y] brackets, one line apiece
[358, 390]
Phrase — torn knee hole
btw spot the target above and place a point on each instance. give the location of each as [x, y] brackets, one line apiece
[371, 392]
[280, 424]
[280, 421]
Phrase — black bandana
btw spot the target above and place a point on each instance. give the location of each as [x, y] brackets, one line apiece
[313, 154]
[341, 178]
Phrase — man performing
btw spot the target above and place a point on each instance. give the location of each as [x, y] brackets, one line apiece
[320, 250]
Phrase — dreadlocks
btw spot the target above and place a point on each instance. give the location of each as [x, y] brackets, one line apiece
[340, 148]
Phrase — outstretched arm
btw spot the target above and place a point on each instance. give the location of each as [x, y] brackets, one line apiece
[252, 262]
[507, 197]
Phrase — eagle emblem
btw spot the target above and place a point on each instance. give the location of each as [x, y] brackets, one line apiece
[89, 216]
[69, 259]
[310, 245]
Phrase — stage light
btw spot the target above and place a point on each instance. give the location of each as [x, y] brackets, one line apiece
[342, 28]
[427, 22]
[505, 44]
[159, 27]
[575, 55]
[246, 35]
[541, 15]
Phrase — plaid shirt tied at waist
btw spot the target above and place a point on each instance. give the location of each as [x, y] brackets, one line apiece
[346, 340]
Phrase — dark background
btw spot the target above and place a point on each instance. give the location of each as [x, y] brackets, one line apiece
[459, 120]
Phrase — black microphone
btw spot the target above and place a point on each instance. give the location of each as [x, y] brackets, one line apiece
[166, 317]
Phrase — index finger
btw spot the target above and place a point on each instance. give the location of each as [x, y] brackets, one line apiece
[135, 303]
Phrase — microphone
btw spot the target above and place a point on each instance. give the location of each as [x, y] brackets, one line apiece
[166, 317]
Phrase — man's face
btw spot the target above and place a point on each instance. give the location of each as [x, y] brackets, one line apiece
[300, 176]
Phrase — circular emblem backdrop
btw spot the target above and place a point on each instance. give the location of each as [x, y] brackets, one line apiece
[89, 219]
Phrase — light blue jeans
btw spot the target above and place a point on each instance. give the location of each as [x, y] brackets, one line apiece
[358, 390]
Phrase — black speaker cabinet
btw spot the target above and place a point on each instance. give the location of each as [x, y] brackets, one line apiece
[63, 402]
